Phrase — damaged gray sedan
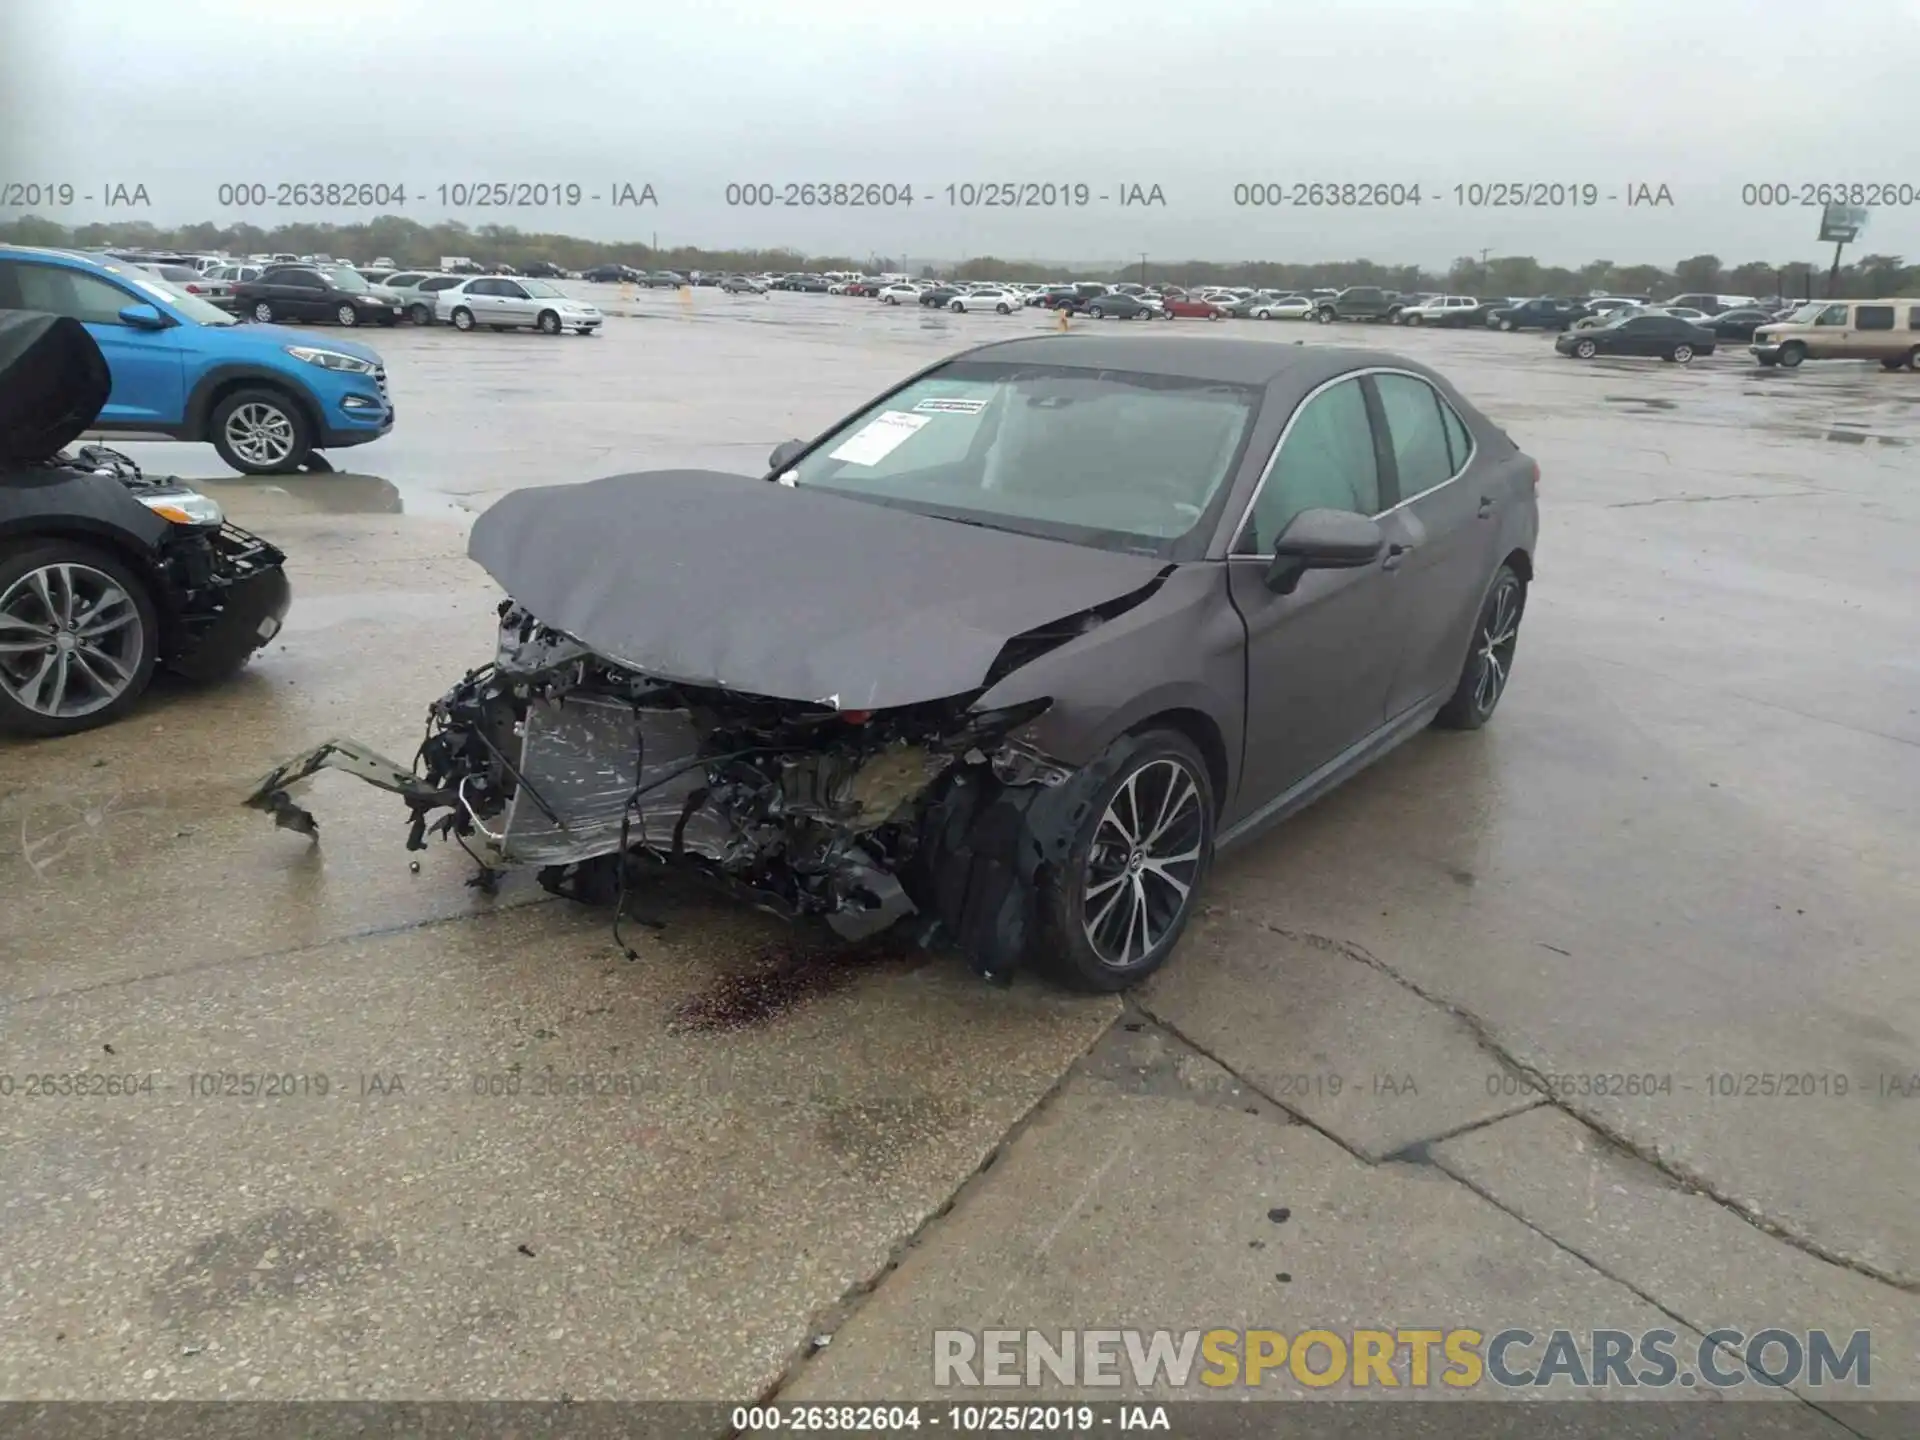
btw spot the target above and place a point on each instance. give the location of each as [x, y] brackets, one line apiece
[1007, 657]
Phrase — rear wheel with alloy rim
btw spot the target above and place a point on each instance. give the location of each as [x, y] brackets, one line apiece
[1117, 906]
[78, 639]
[1489, 664]
[261, 432]
[263, 312]
[463, 319]
[1683, 354]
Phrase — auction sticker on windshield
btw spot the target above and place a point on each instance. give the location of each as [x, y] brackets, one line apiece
[877, 439]
[951, 405]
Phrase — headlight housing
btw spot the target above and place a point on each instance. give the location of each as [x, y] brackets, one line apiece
[184, 507]
[331, 359]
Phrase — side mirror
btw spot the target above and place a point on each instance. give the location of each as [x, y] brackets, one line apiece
[784, 453]
[1323, 540]
[143, 317]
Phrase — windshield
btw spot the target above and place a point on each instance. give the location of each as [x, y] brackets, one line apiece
[542, 290]
[352, 281]
[1808, 313]
[201, 312]
[1105, 458]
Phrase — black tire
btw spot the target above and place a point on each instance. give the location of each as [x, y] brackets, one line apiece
[1791, 354]
[1065, 945]
[1585, 349]
[1325, 317]
[1003, 309]
[1496, 634]
[957, 307]
[1913, 358]
[549, 322]
[420, 314]
[19, 718]
[1411, 320]
[347, 316]
[263, 311]
[257, 456]
[462, 318]
[1096, 312]
[1681, 354]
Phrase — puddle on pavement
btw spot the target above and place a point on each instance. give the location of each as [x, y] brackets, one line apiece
[335, 493]
[783, 975]
[1647, 404]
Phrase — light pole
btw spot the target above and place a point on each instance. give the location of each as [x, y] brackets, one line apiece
[1143, 269]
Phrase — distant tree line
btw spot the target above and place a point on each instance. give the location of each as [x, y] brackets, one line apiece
[410, 243]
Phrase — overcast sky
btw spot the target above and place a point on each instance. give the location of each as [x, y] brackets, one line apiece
[1196, 97]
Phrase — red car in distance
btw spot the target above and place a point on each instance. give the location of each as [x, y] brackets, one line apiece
[1191, 307]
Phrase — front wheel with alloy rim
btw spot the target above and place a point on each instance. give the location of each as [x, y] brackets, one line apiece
[347, 316]
[549, 323]
[1489, 663]
[261, 432]
[1115, 909]
[1585, 349]
[1792, 354]
[463, 319]
[78, 639]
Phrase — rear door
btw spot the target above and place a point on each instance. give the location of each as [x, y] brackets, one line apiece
[149, 386]
[1320, 660]
[1451, 524]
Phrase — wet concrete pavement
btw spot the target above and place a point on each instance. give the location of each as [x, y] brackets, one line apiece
[1550, 1021]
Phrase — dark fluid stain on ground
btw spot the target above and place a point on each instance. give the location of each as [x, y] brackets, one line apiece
[1648, 402]
[273, 1256]
[783, 975]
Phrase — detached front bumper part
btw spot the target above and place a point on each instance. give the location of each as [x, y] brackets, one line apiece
[355, 759]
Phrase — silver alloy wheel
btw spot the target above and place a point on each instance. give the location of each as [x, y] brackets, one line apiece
[260, 433]
[263, 312]
[1140, 868]
[1495, 645]
[1586, 349]
[70, 640]
[1683, 353]
[347, 315]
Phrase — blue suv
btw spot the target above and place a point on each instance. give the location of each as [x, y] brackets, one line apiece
[264, 396]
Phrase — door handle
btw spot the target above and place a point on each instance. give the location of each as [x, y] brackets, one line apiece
[1486, 507]
[1396, 556]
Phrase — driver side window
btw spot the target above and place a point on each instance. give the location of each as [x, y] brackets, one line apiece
[59, 291]
[1326, 462]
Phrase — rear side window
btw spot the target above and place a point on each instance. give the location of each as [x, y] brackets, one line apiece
[1873, 317]
[1417, 433]
[1327, 462]
[1913, 317]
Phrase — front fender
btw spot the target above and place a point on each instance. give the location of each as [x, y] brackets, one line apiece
[1183, 648]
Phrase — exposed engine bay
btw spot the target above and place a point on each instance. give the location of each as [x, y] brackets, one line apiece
[554, 756]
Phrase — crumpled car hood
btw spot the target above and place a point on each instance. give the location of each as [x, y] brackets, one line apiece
[707, 578]
[53, 381]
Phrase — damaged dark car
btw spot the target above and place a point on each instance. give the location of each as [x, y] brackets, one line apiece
[1007, 657]
[106, 574]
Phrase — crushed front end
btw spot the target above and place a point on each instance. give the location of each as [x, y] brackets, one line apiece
[556, 757]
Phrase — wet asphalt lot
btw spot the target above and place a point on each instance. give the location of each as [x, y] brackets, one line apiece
[1423, 1018]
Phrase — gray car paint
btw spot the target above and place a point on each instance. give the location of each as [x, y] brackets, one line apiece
[707, 578]
[1301, 712]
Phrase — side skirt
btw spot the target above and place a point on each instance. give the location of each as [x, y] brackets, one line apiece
[1348, 762]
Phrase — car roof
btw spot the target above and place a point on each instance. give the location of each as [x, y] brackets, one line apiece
[1236, 362]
